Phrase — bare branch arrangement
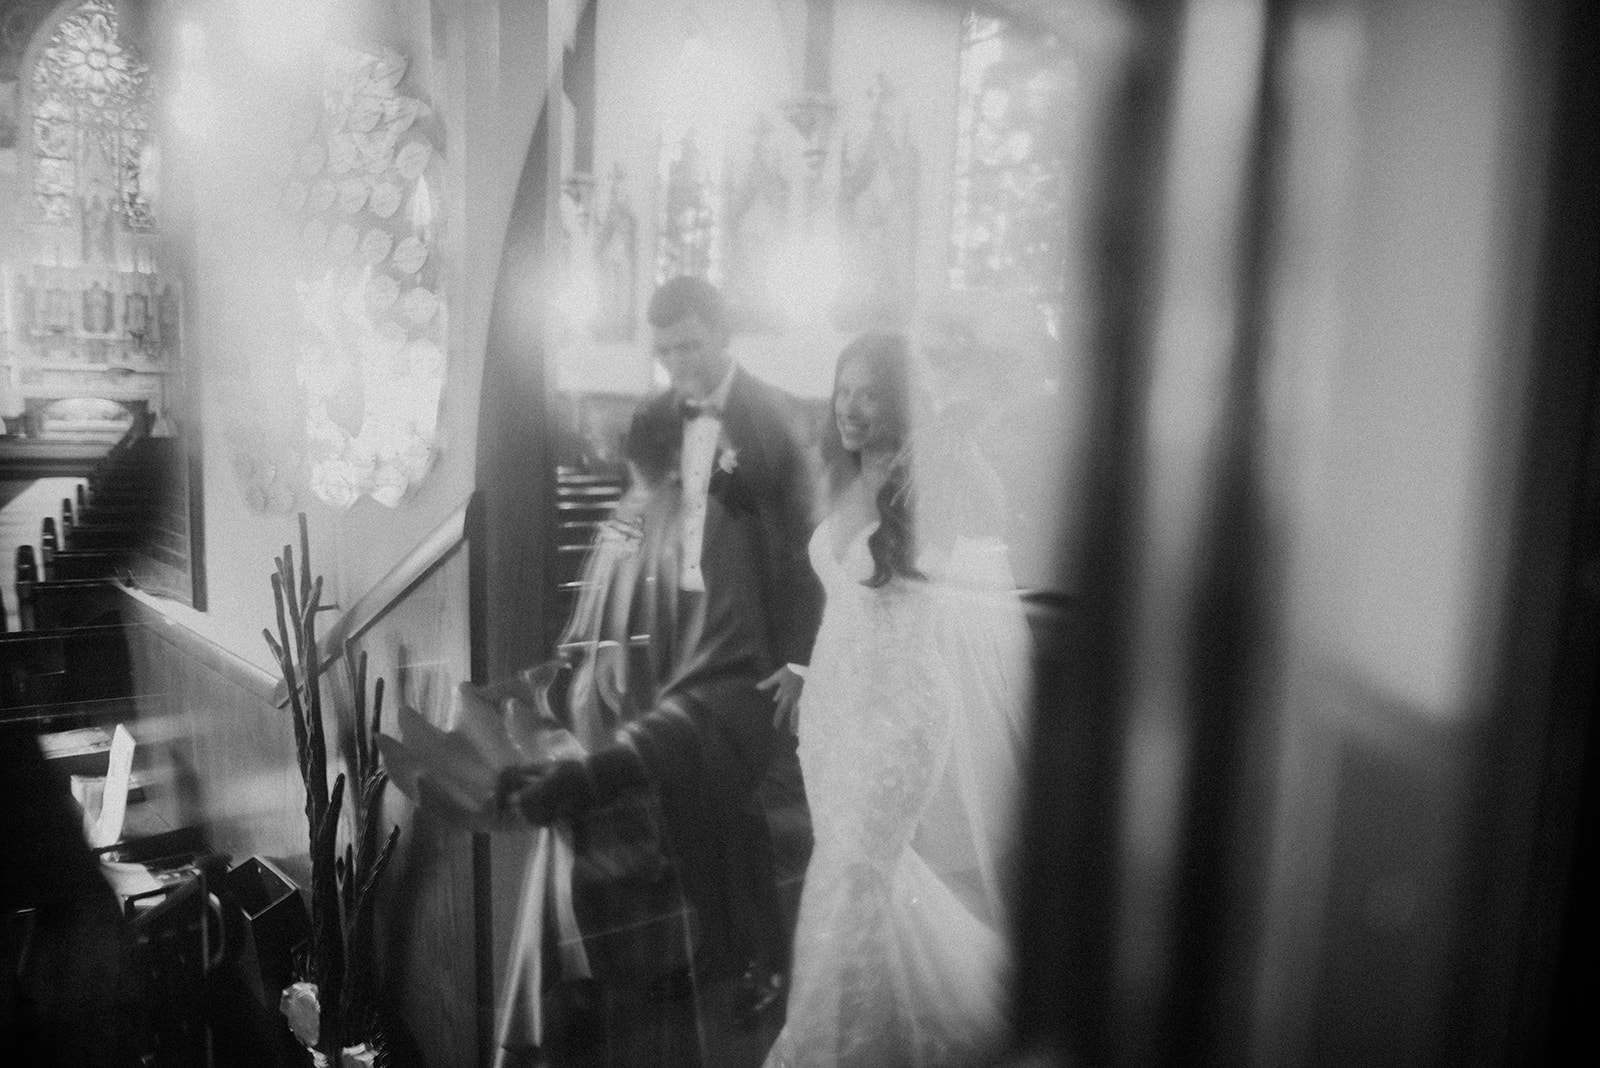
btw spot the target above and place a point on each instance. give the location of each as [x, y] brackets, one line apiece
[340, 960]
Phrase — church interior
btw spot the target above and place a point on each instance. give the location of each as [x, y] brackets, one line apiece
[1284, 315]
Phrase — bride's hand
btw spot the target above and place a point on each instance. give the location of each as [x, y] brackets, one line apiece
[784, 685]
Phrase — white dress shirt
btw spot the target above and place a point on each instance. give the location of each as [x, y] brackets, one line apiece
[696, 459]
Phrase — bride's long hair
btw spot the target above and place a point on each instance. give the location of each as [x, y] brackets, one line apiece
[887, 358]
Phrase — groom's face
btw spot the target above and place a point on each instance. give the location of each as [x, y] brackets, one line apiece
[695, 356]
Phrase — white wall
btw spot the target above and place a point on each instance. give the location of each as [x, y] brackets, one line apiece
[480, 67]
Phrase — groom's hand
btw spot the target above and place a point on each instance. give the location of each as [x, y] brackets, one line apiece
[784, 685]
[544, 793]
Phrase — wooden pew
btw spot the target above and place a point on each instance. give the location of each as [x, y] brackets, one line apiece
[72, 564]
[134, 507]
[48, 542]
[27, 575]
[95, 537]
[61, 603]
[66, 672]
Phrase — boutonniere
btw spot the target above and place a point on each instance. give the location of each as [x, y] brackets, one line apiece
[726, 485]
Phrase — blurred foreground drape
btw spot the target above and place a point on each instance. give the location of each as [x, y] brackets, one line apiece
[1314, 727]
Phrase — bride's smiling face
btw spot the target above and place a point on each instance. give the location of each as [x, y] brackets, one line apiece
[865, 421]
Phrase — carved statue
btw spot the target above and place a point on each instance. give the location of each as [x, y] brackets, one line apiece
[99, 228]
[98, 313]
[616, 255]
[167, 311]
[58, 309]
[27, 307]
[688, 228]
[878, 218]
[758, 221]
[136, 315]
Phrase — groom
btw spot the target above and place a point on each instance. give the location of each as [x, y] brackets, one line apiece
[747, 609]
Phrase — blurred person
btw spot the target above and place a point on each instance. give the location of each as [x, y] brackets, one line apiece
[71, 990]
[910, 725]
[713, 567]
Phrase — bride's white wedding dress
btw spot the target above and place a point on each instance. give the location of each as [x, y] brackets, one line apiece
[909, 731]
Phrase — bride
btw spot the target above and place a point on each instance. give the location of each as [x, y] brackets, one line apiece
[909, 728]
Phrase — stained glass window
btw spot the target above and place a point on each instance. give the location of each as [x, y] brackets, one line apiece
[1011, 163]
[91, 120]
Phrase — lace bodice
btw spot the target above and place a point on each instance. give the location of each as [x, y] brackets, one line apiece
[853, 562]
[873, 715]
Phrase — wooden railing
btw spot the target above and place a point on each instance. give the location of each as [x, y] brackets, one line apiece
[583, 501]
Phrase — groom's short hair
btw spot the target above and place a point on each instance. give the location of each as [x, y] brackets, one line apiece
[677, 298]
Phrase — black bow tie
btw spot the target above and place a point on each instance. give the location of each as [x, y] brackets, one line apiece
[692, 408]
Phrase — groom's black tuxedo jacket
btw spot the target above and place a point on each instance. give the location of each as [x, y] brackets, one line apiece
[762, 602]
[707, 739]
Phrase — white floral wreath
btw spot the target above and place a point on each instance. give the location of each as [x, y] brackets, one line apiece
[372, 353]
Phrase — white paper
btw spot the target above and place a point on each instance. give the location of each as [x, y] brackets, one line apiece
[114, 803]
